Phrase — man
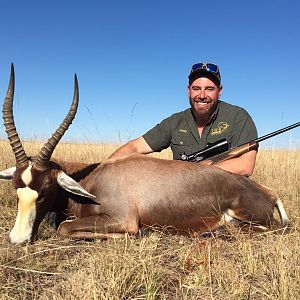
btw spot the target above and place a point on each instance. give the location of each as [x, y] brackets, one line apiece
[208, 120]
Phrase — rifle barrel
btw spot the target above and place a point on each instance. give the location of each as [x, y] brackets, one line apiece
[267, 136]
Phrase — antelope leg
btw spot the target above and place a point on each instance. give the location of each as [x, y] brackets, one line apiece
[99, 226]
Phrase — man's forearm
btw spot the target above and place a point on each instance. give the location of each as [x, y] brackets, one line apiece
[123, 150]
[242, 165]
[138, 145]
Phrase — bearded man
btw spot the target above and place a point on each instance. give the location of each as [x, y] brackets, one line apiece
[207, 120]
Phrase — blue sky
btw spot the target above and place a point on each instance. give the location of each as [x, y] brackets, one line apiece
[132, 59]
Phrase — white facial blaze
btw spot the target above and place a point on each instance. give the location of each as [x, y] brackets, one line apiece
[26, 175]
[22, 229]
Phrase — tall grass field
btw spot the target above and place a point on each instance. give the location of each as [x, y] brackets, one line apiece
[243, 265]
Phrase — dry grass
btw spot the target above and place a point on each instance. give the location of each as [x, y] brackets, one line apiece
[157, 266]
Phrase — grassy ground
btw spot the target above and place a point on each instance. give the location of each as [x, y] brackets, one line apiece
[159, 265]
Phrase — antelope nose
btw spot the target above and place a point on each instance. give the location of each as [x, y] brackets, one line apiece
[18, 242]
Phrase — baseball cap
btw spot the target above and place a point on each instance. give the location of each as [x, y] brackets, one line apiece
[206, 69]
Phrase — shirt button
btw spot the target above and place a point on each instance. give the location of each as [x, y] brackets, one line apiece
[181, 142]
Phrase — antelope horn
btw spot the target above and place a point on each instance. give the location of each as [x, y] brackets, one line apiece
[48, 148]
[9, 123]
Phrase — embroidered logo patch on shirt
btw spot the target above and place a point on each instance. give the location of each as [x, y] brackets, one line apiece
[221, 128]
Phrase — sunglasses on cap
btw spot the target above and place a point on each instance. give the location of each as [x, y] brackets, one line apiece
[208, 67]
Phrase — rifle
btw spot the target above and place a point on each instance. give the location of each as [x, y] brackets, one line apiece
[221, 151]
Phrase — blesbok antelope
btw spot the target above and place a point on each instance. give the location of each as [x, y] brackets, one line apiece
[122, 195]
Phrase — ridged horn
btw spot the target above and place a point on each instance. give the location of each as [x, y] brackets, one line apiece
[48, 148]
[9, 123]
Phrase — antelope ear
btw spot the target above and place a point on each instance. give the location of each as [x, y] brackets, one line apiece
[72, 186]
[7, 174]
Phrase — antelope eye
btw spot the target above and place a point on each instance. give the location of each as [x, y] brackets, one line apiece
[39, 198]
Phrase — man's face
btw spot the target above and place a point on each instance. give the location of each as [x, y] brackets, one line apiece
[203, 95]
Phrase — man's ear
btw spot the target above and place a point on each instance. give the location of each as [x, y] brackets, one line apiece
[220, 91]
[188, 90]
[7, 174]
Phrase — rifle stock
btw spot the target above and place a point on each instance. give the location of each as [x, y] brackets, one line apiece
[232, 153]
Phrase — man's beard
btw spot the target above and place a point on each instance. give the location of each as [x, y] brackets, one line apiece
[202, 115]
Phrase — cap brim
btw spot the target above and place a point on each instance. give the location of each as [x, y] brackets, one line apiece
[205, 73]
[201, 72]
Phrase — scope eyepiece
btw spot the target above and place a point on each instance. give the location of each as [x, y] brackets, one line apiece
[183, 156]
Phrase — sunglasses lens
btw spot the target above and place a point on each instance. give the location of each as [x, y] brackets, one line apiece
[197, 66]
[212, 68]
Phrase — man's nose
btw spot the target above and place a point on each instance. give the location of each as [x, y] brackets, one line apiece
[202, 94]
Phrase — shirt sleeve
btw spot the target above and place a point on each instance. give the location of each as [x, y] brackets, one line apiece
[244, 129]
[159, 137]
